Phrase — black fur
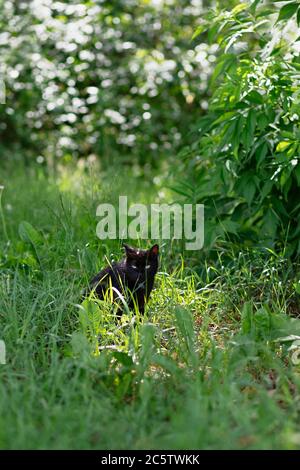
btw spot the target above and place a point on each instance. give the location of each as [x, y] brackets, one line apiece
[133, 277]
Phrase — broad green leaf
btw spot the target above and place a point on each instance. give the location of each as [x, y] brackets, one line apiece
[287, 134]
[123, 358]
[224, 117]
[297, 288]
[261, 153]
[239, 8]
[237, 135]
[285, 181]
[249, 191]
[292, 150]
[200, 29]
[228, 133]
[287, 11]
[246, 187]
[283, 145]
[270, 224]
[223, 65]
[212, 33]
[267, 187]
[230, 226]
[29, 234]
[254, 97]
[262, 121]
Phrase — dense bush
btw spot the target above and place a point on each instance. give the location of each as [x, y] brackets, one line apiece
[244, 166]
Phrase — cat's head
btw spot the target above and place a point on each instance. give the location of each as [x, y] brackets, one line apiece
[142, 260]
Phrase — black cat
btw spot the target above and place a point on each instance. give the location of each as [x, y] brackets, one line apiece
[133, 277]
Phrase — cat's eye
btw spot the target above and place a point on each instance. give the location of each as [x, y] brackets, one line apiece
[148, 266]
[134, 266]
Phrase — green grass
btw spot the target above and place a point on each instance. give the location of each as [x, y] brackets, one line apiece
[209, 366]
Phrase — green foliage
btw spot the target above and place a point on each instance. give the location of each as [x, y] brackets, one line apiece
[29, 234]
[245, 165]
[99, 79]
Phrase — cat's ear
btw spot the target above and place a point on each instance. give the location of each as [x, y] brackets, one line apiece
[154, 250]
[128, 249]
